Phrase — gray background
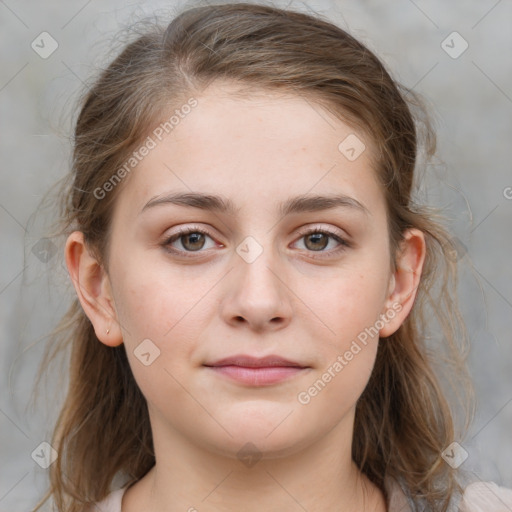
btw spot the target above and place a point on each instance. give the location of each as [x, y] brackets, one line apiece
[470, 98]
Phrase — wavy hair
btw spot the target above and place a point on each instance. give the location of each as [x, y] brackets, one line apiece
[403, 419]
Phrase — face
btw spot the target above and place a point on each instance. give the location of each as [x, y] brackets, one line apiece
[203, 294]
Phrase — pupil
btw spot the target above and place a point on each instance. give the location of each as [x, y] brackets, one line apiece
[315, 237]
[194, 237]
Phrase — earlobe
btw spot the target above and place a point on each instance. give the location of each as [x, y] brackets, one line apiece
[405, 280]
[92, 286]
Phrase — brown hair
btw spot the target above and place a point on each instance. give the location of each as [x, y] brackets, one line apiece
[403, 419]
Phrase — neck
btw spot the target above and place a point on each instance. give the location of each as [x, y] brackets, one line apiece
[316, 478]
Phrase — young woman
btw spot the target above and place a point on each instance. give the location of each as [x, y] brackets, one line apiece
[254, 280]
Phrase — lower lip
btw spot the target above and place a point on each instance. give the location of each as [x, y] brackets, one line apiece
[258, 376]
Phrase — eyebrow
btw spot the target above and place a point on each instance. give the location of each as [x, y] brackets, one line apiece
[298, 204]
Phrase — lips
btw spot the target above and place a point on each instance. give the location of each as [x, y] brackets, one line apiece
[255, 362]
[256, 371]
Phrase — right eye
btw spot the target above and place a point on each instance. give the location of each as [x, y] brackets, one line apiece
[191, 240]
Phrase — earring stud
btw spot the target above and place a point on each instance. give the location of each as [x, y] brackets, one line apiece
[108, 330]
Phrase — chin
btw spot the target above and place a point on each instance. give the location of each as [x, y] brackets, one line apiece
[249, 448]
[271, 430]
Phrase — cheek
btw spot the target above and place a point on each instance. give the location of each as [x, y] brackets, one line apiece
[160, 333]
[347, 355]
[163, 312]
[154, 299]
[349, 303]
[349, 306]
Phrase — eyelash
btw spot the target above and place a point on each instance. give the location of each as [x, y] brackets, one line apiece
[190, 254]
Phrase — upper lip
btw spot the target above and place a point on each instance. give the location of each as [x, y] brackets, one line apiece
[255, 362]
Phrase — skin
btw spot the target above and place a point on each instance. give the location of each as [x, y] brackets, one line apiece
[257, 151]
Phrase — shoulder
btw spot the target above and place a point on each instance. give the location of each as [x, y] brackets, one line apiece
[396, 499]
[477, 497]
[486, 497]
[111, 503]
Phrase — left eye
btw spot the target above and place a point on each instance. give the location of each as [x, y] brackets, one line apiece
[317, 240]
[194, 239]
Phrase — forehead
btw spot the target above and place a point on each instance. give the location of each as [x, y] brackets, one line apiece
[263, 146]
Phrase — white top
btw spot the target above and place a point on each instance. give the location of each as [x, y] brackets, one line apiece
[397, 501]
[478, 497]
[112, 503]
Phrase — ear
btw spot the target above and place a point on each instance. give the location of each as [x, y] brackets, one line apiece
[93, 289]
[404, 282]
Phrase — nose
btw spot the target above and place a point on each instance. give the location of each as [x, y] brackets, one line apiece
[256, 290]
